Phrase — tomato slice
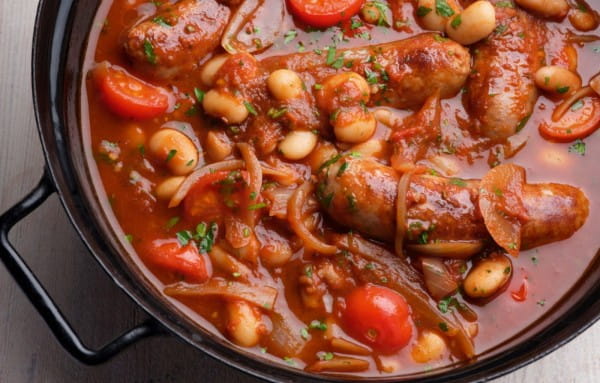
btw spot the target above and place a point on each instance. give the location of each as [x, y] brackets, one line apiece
[379, 317]
[206, 202]
[186, 260]
[128, 96]
[576, 123]
[324, 13]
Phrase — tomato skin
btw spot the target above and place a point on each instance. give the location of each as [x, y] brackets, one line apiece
[324, 13]
[186, 260]
[128, 96]
[574, 124]
[379, 317]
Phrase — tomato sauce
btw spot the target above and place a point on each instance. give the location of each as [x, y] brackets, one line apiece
[294, 332]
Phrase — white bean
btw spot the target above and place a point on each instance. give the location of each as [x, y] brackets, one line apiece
[285, 84]
[225, 106]
[166, 189]
[430, 346]
[428, 16]
[475, 23]
[488, 276]
[209, 70]
[353, 125]
[557, 80]
[371, 148]
[244, 324]
[217, 145]
[324, 151]
[298, 144]
[583, 20]
[175, 149]
[347, 88]
[555, 9]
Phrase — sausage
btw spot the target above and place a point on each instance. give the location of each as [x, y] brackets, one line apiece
[405, 72]
[362, 197]
[500, 91]
[174, 40]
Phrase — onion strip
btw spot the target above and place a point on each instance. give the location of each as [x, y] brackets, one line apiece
[347, 347]
[401, 212]
[562, 108]
[261, 296]
[195, 176]
[294, 212]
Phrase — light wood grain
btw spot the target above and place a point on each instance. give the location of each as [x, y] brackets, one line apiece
[95, 306]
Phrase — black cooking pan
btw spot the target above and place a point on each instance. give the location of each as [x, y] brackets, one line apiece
[59, 44]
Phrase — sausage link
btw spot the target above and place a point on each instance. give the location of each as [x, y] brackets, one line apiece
[174, 40]
[500, 91]
[362, 197]
[406, 72]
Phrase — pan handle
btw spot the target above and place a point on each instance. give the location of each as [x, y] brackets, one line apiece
[40, 299]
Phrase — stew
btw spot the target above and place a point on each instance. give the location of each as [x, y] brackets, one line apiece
[352, 187]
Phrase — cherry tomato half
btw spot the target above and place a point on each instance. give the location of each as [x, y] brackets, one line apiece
[379, 317]
[186, 260]
[324, 13]
[576, 123]
[128, 96]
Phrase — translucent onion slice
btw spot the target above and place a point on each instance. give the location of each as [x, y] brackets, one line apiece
[295, 218]
[561, 109]
[195, 176]
[261, 296]
[347, 347]
[455, 249]
[437, 277]
[501, 205]
[401, 212]
[254, 27]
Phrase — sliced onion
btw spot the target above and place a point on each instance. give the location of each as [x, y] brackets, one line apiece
[438, 280]
[195, 176]
[261, 296]
[339, 364]
[578, 39]
[347, 347]
[295, 218]
[253, 167]
[455, 249]
[262, 18]
[283, 174]
[401, 212]
[501, 205]
[228, 263]
[565, 105]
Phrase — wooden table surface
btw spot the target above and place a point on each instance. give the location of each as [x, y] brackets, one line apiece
[94, 305]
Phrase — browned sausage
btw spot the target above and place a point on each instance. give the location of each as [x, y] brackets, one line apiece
[406, 72]
[500, 91]
[363, 197]
[174, 40]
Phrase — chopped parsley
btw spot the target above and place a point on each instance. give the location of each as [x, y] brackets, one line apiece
[562, 89]
[443, 9]
[500, 29]
[251, 109]
[342, 169]
[505, 4]
[171, 222]
[199, 93]
[443, 326]
[458, 182]
[522, 123]
[171, 154]
[129, 238]
[456, 21]
[161, 21]
[257, 206]
[149, 52]
[578, 147]
[289, 36]
[276, 113]
[304, 333]
[317, 324]
[423, 11]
